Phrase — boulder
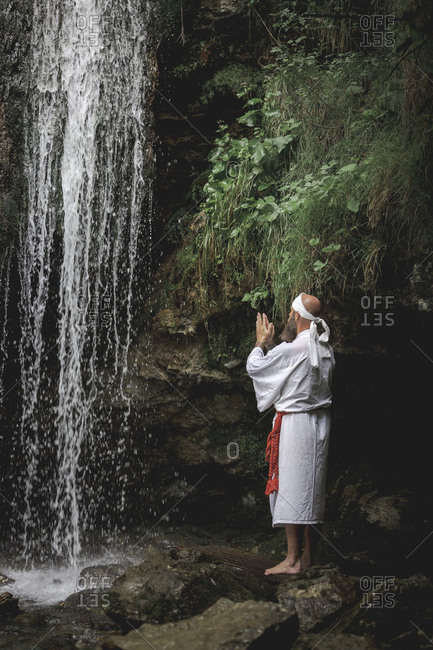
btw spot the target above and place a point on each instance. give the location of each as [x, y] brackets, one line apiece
[395, 612]
[224, 625]
[84, 600]
[386, 511]
[171, 585]
[8, 606]
[328, 641]
[368, 526]
[101, 576]
[4, 580]
[318, 594]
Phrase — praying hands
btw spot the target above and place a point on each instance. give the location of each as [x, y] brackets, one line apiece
[265, 331]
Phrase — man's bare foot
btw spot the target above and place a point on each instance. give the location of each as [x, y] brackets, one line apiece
[305, 562]
[286, 566]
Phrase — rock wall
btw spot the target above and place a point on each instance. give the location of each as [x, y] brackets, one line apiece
[15, 28]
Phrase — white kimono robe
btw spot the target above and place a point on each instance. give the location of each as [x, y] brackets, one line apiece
[285, 378]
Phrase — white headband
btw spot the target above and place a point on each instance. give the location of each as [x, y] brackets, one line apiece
[316, 350]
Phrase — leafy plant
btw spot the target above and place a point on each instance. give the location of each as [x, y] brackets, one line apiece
[256, 296]
[327, 183]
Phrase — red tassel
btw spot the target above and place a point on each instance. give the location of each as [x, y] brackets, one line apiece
[272, 485]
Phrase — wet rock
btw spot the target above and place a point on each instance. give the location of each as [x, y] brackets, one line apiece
[334, 642]
[182, 364]
[367, 526]
[234, 363]
[33, 619]
[85, 600]
[172, 585]
[101, 576]
[168, 322]
[192, 450]
[4, 580]
[224, 625]
[85, 609]
[386, 511]
[318, 594]
[8, 605]
[86, 606]
[393, 611]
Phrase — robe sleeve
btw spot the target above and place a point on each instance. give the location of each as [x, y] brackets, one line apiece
[268, 373]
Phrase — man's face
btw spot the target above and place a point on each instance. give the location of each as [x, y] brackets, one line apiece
[290, 332]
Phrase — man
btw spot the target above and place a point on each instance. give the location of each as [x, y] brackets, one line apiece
[295, 377]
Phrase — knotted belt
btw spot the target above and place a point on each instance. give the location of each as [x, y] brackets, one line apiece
[272, 448]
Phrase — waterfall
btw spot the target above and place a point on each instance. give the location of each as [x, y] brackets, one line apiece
[88, 161]
[4, 297]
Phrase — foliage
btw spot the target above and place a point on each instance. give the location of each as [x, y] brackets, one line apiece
[326, 186]
[229, 79]
[256, 296]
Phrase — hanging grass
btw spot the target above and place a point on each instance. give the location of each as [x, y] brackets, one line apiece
[328, 182]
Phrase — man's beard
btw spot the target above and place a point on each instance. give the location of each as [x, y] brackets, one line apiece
[289, 333]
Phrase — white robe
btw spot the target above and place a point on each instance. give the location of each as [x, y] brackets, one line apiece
[284, 378]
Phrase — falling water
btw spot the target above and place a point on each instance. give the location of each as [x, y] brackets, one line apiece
[4, 293]
[88, 161]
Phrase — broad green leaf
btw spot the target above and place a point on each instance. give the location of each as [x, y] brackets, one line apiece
[281, 142]
[348, 168]
[354, 89]
[352, 202]
[215, 153]
[249, 118]
[289, 126]
[259, 153]
[314, 241]
[319, 265]
[331, 248]
[253, 101]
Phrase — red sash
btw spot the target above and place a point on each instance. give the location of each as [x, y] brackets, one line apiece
[272, 448]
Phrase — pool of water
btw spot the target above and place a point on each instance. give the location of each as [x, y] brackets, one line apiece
[46, 586]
